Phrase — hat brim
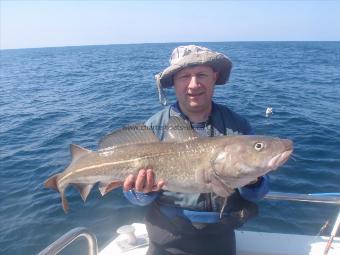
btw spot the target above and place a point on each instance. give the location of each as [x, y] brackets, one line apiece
[219, 63]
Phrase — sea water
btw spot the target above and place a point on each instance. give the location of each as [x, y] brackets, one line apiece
[52, 97]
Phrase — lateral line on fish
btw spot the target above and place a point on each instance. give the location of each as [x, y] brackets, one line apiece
[116, 163]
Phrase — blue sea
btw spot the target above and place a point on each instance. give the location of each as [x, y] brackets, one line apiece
[52, 97]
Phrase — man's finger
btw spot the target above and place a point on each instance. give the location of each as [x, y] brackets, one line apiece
[150, 179]
[140, 180]
[159, 185]
[129, 183]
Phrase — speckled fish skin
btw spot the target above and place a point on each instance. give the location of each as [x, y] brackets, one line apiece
[215, 164]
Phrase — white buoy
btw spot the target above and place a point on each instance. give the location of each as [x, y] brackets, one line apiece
[269, 111]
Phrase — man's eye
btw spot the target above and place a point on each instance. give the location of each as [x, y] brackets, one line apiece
[183, 77]
[202, 75]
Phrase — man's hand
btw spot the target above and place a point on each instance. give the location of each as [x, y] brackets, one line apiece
[143, 182]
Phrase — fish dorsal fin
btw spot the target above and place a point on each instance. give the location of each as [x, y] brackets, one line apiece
[77, 151]
[179, 130]
[133, 134]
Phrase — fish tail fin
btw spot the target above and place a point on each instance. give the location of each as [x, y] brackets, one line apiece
[64, 202]
[51, 182]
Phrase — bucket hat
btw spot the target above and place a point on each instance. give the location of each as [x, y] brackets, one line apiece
[191, 55]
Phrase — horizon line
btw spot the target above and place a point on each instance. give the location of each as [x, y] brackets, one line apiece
[139, 43]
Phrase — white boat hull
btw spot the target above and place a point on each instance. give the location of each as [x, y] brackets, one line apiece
[248, 243]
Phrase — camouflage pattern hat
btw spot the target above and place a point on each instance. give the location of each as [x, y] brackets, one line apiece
[191, 55]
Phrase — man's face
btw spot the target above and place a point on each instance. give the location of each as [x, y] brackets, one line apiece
[194, 87]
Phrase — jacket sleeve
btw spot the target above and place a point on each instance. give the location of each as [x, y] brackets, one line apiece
[140, 198]
[257, 191]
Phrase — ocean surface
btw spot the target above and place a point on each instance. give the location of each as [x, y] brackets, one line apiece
[52, 97]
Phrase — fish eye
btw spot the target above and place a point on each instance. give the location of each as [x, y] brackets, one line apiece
[259, 146]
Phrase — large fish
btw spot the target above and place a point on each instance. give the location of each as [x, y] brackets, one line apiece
[185, 161]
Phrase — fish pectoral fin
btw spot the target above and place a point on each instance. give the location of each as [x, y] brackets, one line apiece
[84, 189]
[105, 188]
[51, 182]
[220, 188]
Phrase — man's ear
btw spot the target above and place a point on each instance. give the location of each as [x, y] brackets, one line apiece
[216, 74]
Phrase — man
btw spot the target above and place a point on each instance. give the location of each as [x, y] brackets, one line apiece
[185, 223]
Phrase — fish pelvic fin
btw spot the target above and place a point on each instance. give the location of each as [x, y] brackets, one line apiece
[84, 189]
[51, 182]
[223, 206]
[105, 188]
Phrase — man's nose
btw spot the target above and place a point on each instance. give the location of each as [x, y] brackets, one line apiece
[193, 82]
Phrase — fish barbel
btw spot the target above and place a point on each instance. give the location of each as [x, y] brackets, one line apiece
[185, 161]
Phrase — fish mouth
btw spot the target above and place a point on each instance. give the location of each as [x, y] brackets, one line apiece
[279, 159]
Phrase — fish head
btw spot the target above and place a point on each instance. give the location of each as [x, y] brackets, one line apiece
[242, 159]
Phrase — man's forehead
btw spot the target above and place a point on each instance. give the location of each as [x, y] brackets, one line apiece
[195, 69]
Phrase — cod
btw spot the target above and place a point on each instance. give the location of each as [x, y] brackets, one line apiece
[185, 161]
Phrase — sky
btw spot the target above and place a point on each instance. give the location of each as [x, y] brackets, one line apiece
[35, 24]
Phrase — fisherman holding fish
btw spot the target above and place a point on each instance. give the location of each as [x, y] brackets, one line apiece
[195, 162]
[191, 223]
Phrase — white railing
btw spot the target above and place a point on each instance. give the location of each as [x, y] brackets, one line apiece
[325, 198]
[68, 238]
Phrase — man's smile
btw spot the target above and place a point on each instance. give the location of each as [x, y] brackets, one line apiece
[195, 94]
